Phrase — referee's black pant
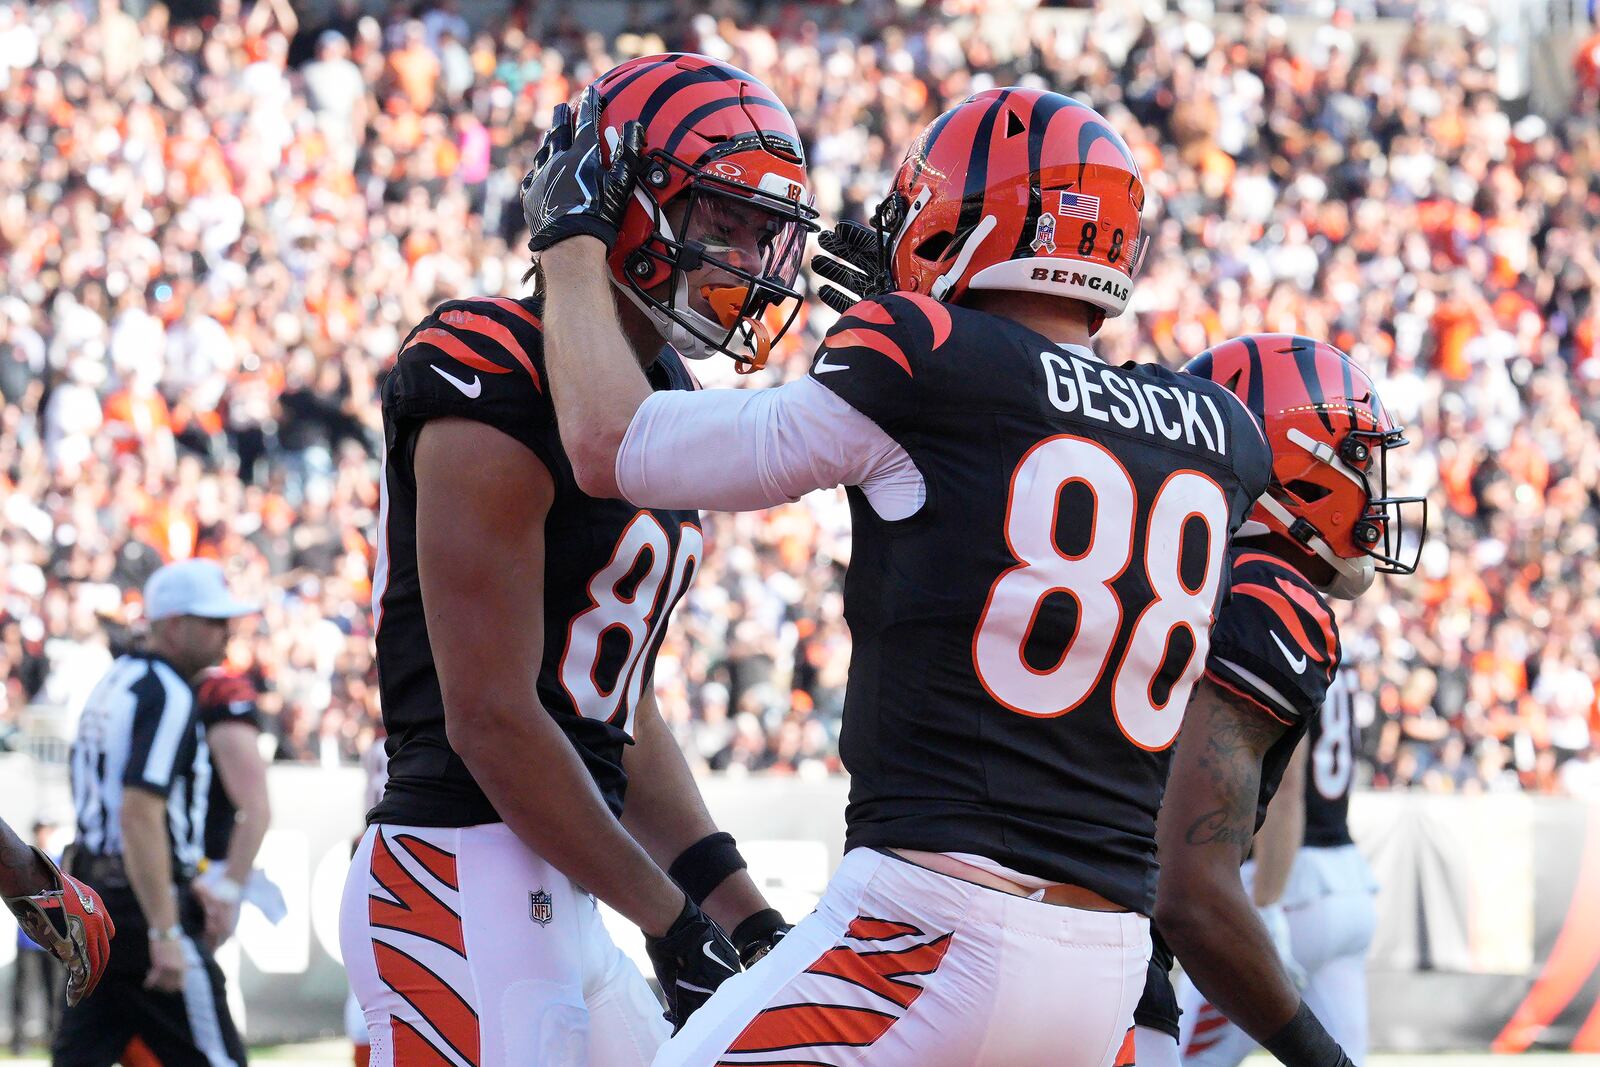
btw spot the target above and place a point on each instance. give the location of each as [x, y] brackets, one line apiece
[189, 1028]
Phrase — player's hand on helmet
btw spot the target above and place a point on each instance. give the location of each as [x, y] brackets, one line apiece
[68, 920]
[691, 959]
[759, 934]
[569, 193]
[857, 263]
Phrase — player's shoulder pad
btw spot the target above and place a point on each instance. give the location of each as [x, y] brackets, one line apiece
[466, 349]
[871, 356]
[1275, 639]
[221, 687]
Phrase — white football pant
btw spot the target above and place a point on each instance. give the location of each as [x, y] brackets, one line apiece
[467, 950]
[900, 966]
[1329, 904]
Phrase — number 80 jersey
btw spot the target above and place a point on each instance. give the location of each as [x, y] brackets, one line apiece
[613, 572]
[1025, 643]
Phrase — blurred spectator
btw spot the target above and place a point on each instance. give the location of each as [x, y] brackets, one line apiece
[213, 238]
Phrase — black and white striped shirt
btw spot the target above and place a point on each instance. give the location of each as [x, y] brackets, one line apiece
[139, 730]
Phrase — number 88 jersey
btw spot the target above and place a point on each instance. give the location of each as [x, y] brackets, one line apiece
[1026, 642]
[613, 572]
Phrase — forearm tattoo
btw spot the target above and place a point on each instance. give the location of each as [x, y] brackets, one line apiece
[1234, 741]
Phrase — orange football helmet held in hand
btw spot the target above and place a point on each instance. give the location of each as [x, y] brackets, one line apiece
[69, 921]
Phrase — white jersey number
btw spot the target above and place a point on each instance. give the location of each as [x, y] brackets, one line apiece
[1333, 760]
[1042, 569]
[638, 615]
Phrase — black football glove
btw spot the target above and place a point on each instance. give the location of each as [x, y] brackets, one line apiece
[691, 959]
[568, 193]
[859, 265]
[758, 935]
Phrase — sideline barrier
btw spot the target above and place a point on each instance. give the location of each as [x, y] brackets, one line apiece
[1488, 930]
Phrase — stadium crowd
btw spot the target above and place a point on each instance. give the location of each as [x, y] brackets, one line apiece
[216, 228]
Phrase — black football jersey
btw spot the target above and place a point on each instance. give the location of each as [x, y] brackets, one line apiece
[223, 697]
[1025, 644]
[1330, 770]
[1275, 643]
[613, 572]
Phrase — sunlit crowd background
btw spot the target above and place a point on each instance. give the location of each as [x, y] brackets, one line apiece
[216, 226]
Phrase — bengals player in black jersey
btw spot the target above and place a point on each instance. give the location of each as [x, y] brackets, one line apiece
[1040, 541]
[518, 620]
[1324, 527]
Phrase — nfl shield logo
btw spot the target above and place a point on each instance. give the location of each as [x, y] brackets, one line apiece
[540, 907]
[1044, 235]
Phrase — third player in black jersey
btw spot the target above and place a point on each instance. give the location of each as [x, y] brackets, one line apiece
[1324, 528]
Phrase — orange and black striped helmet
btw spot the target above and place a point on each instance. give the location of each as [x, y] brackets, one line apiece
[724, 185]
[1330, 436]
[1017, 189]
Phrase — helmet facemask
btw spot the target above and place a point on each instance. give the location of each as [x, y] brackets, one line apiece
[718, 273]
[1388, 534]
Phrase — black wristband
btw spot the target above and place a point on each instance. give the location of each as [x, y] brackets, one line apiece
[1304, 1042]
[757, 925]
[706, 864]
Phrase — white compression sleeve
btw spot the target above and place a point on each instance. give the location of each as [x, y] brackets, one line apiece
[746, 449]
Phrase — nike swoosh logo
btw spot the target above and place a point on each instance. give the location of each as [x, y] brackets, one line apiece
[470, 390]
[714, 958]
[1297, 662]
[822, 366]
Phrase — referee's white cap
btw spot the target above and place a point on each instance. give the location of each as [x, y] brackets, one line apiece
[192, 587]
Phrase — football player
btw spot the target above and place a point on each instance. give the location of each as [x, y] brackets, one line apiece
[518, 620]
[1326, 915]
[1324, 528]
[62, 915]
[1040, 541]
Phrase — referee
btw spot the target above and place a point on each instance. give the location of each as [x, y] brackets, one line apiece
[141, 774]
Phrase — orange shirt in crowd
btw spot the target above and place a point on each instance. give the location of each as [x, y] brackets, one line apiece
[132, 420]
[416, 68]
[1454, 324]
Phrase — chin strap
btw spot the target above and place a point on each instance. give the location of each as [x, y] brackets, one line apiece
[1352, 577]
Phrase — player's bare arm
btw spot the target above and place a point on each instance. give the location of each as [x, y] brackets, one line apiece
[22, 871]
[60, 913]
[667, 815]
[1279, 837]
[481, 561]
[595, 381]
[239, 765]
[1207, 822]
